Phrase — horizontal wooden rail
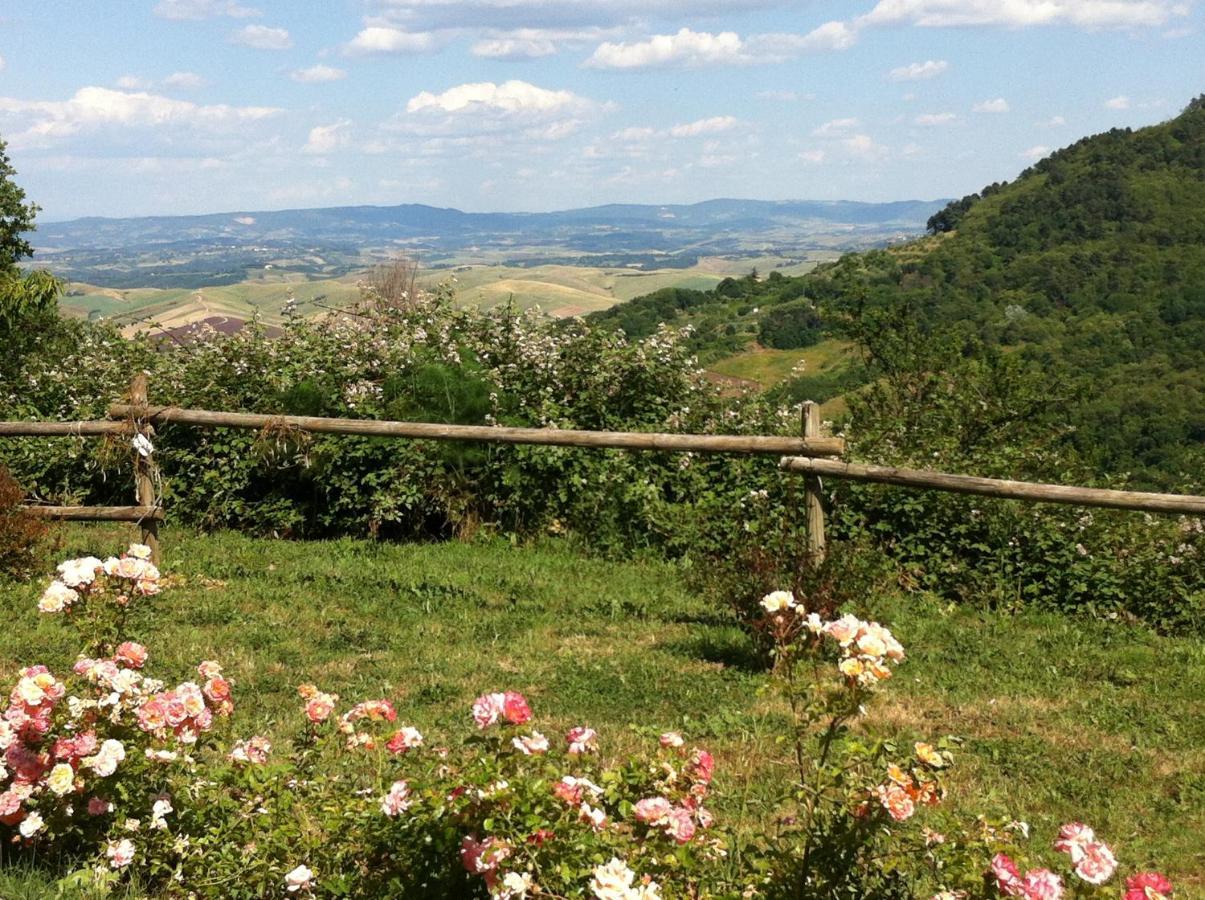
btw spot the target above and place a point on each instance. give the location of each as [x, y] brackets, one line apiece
[995, 487]
[96, 513]
[69, 429]
[620, 440]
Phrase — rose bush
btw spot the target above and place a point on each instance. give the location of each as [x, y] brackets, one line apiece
[126, 778]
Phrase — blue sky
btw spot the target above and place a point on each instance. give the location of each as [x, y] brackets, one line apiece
[140, 107]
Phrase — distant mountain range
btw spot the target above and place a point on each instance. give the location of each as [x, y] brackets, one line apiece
[169, 250]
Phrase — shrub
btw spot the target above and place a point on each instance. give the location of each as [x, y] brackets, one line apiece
[21, 535]
[111, 775]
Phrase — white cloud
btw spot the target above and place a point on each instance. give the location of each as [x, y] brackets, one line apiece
[1121, 102]
[686, 48]
[317, 74]
[514, 109]
[513, 48]
[2, 64]
[185, 80]
[1022, 13]
[944, 118]
[919, 71]
[383, 39]
[689, 48]
[714, 125]
[203, 9]
[829, 36]
[1035, 153]
[812, 157]
[91, 107]
[634, 135]
[132, 83]
[783, 96]
[835, 128]
[999, 105]
[262, 37]
[1056, 122]
[864, 147]
[508, 97]
[327, 138]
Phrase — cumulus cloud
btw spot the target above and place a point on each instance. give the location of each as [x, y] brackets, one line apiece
[1022, 13]
[317, 74]
[1056, 122]
[812, 157]
[1035, 153]
[380, 39]
[835, 128]
[999, 105]
[634, 134]
[783, 96]
[688, 48]
[325, 139]
[1120, 102]
[508, 97]
[203, 9]
[919, 71]
[185, 80]
[262, 37]
[91, 107]
[944, 118]
[132, 83]
[514, 48]
[512, 107]
[863, 147]
[714, 125]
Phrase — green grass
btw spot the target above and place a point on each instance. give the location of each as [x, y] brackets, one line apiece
[768, 367]
[1062, 718]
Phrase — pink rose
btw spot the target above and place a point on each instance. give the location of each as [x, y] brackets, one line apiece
[701, 766]
[319, 707]
[132, 654]
[1041, 884]
[653, 810]
[680, 825]
[1147, 886]
[515, 708]
[1073, 838]
[1097, 864]
[397, 801]
[1007, 875]
[582, 739]
[531, 745]
[671, 740]
[488, 708]
[406, 738]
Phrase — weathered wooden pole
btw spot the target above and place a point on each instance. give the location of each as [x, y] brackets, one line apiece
[144, 467]
[814, 492]
[494, 434]
[1182, 504]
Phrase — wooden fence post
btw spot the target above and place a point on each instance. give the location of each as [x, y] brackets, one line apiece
[144, 467]
[814, 494]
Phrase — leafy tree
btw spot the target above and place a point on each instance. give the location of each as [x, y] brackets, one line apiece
[28, 302]
[16, 215]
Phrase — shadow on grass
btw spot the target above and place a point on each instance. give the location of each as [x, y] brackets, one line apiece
[729, 647]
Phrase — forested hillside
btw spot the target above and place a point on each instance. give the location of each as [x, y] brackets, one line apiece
[1089, 268]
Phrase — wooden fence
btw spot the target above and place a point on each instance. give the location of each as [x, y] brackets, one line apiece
[811, 454]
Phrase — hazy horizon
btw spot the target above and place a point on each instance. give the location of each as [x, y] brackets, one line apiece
[195, 107]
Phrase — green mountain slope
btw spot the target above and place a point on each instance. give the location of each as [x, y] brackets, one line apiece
[1090, 266]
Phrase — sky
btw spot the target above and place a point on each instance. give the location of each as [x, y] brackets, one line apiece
[172, 107]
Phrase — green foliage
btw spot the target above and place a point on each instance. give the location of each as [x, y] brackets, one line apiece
[1090, 265]
[16, 216]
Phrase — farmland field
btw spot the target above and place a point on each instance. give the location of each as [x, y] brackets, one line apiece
[1062, 719]
[559, 290]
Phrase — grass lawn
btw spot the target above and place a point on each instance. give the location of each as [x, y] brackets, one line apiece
[1062, 719]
